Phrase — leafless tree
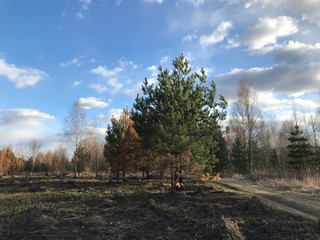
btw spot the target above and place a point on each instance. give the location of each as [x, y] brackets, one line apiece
[311, 126]
[34, 148]
[74, 127]
[247, 119]
[94, 147]
[61, 157]
[283, 142]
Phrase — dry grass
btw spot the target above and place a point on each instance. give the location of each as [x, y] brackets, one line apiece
[307, 181]
[84, 208]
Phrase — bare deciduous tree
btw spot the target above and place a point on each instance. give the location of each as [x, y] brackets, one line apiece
[247, 119]
[34, 148]
[283, 142]
[74, 126]
[94, 147]
[61, 158]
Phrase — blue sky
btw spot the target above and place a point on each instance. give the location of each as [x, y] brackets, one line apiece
[53, 53]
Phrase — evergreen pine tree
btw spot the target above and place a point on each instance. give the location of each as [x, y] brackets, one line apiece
[299, 149]
[239, 156]
[222, 154]
[179, 115]
[274, 159]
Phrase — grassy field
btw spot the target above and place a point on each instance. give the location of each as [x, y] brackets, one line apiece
[307, 181]
[88, 208]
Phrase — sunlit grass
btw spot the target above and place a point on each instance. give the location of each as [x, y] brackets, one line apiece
[306, 181]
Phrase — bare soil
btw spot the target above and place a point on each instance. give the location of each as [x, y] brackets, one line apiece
[52, 208]
[304, 204]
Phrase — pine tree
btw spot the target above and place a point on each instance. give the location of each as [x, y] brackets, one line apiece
[274, 159]
[224, 163]
[299, 149]
[179, 114]
[121, 145]
[238, 155]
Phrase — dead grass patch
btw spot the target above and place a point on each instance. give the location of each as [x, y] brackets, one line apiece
[81, 209]
[307, 181]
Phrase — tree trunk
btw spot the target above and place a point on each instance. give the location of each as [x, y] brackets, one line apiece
[118, 174]
[75, 171]
[172, 179]
[97, 172]
[123, 173]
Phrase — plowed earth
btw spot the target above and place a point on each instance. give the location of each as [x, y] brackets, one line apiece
[52, 208]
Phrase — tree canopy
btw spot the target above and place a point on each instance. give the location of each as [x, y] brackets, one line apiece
[179, 113]
[121, 145]
[299, 149]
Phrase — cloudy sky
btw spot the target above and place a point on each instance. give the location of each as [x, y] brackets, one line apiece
[53, 53]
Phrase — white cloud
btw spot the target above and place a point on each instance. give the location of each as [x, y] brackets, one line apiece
[189, 38]
[24, 116]
[189, 56]
[21, 76]
[217, 35]
[17, 135]
[92, 102]
[196, 3]
[115, 84]
[112, 113]
[297, 94]
[268, 30]
[289, 79]
[99, 88]
[234, 42]
[249, 3]
[77, 61]
[154, 70]
[208, 70]
[84, 7]
[282, 107]
[20, 125]
[295, 52]
[101, 118]
[112, 76]
[136, 88]
[164, 60]
[269, 102]
[115, 112]
[153, 1]
[105, 72]
[125, 64]
[199, 17]
[77, 83]
[308, 9]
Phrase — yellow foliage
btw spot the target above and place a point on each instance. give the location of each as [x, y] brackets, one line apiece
[205, 177]
[216, 178]
[148, 185]
[166, 186]
[179, 185]
[208, 177]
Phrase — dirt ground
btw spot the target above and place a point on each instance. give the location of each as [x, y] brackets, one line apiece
[304, 204]
[52, 208]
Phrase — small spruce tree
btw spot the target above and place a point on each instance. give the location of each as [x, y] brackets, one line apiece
[238, 155]
[299, 149]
